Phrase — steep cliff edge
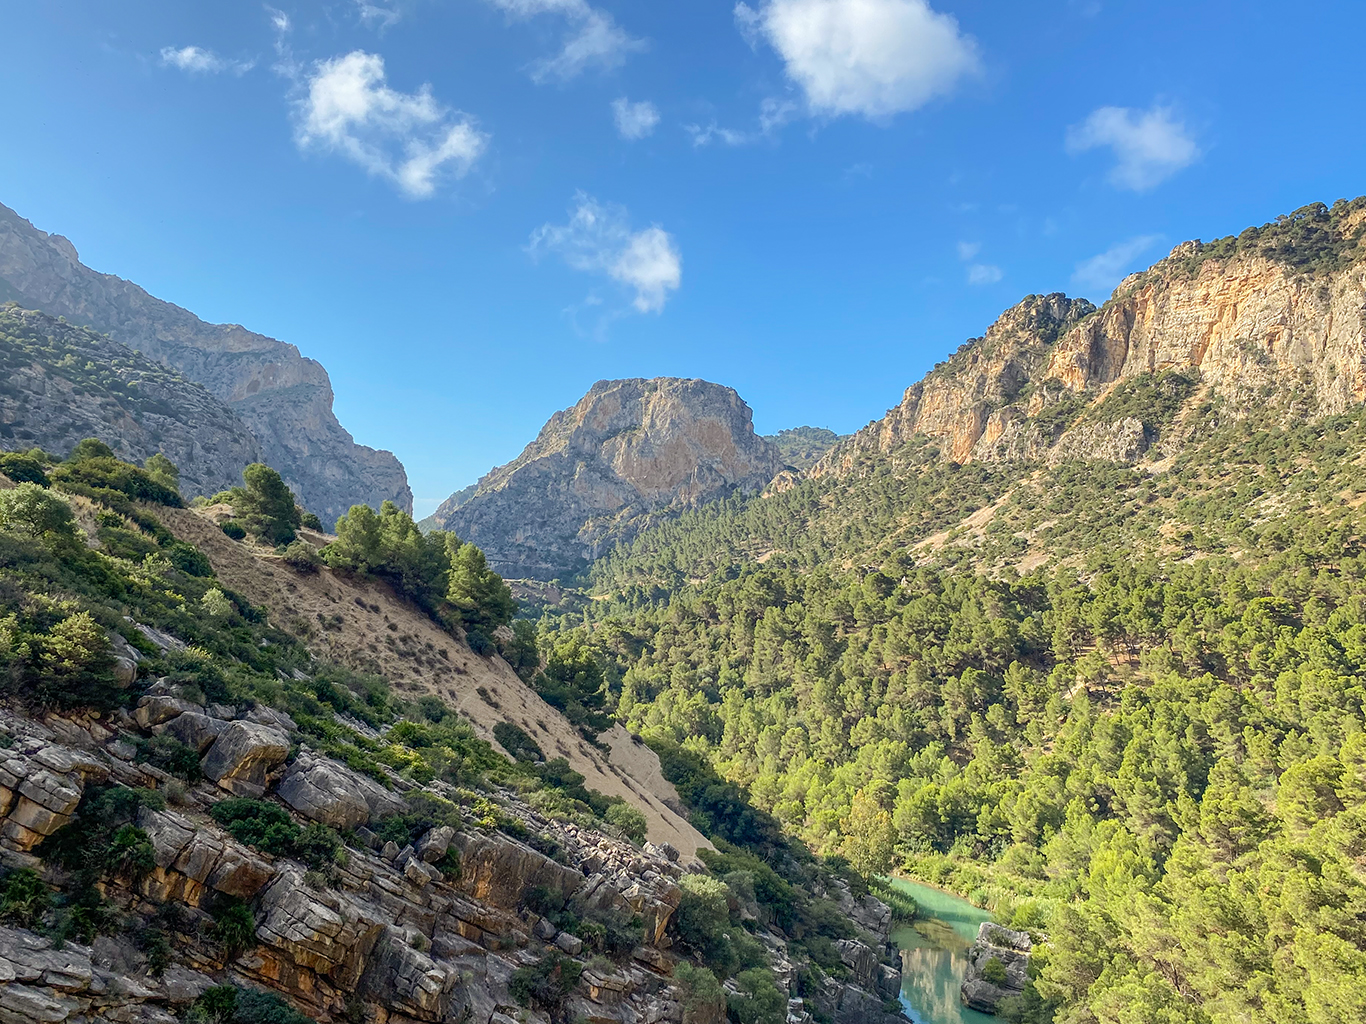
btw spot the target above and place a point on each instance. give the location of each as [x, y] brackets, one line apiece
[627, 449]
[1276, 311]
[62, 383]
[283, 397]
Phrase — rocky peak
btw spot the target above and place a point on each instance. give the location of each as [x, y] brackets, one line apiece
[1269, 312]
[627, 449]
[283, 397]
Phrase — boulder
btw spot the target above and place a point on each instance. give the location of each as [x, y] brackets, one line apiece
[325, 791]
[193, 729]
[240, 758]
[1011, 950]
[323, 931]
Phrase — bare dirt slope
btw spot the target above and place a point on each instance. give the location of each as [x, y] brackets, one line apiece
[362, 623]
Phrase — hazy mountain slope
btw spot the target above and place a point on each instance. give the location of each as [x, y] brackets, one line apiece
[800, 447]
[63, 383]
[627, 449]
[284, 398]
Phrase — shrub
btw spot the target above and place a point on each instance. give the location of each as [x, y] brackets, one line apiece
[309, 521]
[234, 529]
[302, 557]
[759, 1000]
[258, 823]
[547, 982]
[216, 604]
[170, 755]
[228, 1004]
[188, 559]
[30, 510]
[517, 743]
[24, 898]
[630, 820]
[266, 507]
[23, 469]
[480, 643]
[701, 990]
[319, 846]
[131, 853]
[234, 927]
[994, 971]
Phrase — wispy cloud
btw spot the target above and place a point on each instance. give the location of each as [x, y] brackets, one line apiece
[634, 120]
[1149, 145]
[598, 238]
[1102, 272]
[870, 57]
[593, 38]
[410, 139]
[967, 250]
[197, 60]
[773, 114]
[378, 15]
[984, 273]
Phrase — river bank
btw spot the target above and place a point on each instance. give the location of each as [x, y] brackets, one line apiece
[934, 955]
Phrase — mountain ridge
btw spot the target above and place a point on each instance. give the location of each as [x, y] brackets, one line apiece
[284, 397]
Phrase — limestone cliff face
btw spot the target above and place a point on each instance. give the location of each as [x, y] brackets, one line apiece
[63, 383]
[283, 397]
[627, 449]
[1277, 310]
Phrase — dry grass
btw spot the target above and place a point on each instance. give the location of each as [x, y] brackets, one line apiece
[362, 624]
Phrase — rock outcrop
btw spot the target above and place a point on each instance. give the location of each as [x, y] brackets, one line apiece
[437, 931]
[598, 471]
[63, 383]
[1279, 311]
[284, 398]
[998, 967]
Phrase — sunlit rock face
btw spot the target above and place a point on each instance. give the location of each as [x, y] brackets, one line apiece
[626, 452]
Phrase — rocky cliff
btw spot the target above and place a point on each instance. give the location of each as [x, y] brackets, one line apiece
[596, 471]
[532, 920]
[997, 967]
[283, 397]
[1274, 312]
[62, 383]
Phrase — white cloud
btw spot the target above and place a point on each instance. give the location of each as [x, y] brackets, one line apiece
[871, 57]
[1149, 145]
[773, 114]
[598, 238]
[408, 138]
[377, 15]
[984, 273]
[634, 120]
[197, 60]
[593, 39]
[967, 250]
[1101, 273]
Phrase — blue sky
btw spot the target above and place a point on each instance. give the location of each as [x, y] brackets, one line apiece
[470, 210]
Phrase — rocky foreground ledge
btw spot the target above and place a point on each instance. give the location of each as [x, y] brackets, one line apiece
[429, 932]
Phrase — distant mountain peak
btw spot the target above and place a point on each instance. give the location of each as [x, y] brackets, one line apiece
[626, 451]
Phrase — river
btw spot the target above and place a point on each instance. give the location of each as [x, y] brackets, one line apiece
[934, 954]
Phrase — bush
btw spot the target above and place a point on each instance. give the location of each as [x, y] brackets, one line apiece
[24, 898]
[188, 559]
[302, 557]
[630, 820]
[545, 983]
[228, 1004]
[234, 529]
[759, 1000]
[234, 927]
[517, 743]
[102, 473]
[23, 469]
[701, 991]
[130, 853]
[994, 971]
[309, 521]
[216, 604]
[480, 643]
[258, 823]
[319, 846]
[32, 511]
[170, 755]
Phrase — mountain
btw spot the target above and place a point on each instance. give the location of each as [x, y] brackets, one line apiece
[245, 788]
[284, 398]
[63, 383]
[1075, 631]
[627, 450]
[801, 447]
[1274, 309]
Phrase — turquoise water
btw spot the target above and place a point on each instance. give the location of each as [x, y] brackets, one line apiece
[934, 954]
